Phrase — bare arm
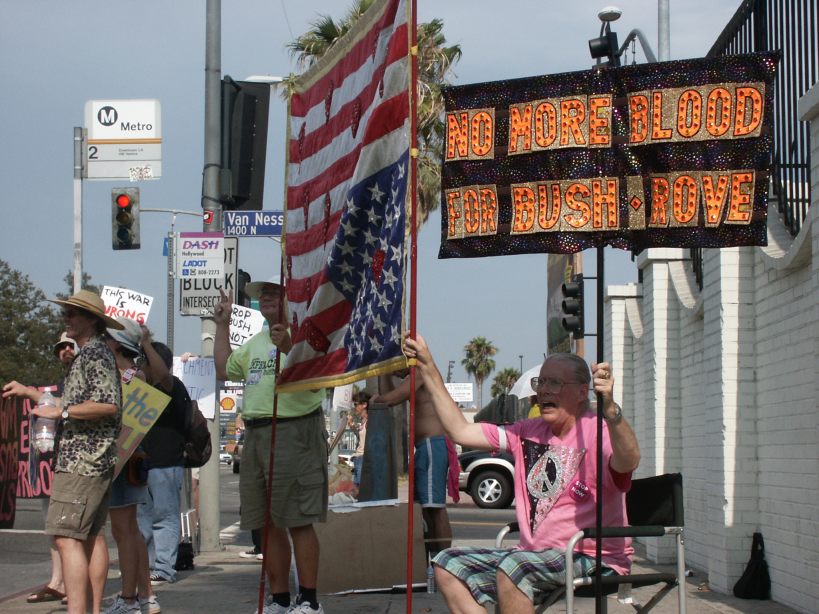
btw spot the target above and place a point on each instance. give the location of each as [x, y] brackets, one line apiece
[625, 456]
[159, 369]
[456, 426]
[397, 395]
[87, 410]
[221, 343]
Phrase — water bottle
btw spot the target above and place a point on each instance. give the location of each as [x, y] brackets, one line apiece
[44, 428]
[430, 579]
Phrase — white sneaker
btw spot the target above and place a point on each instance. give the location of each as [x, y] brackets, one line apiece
[249, 554]
[305, 608]
[271, 607]
[149, 605]
[120, 606]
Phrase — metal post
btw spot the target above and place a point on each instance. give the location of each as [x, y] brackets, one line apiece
[170, 291]
[212, 221]
[79, 139]
[599, 604]
[663, 30]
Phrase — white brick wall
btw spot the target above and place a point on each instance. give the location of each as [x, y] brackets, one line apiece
[724, 386]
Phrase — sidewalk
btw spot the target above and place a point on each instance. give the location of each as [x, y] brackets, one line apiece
[224, 583]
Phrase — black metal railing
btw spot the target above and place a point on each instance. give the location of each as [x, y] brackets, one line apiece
[790, 27]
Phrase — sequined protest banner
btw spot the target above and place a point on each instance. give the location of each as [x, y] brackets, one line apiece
[347, 177]
[671, 154]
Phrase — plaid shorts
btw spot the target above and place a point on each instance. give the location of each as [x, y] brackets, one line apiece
[536, 574]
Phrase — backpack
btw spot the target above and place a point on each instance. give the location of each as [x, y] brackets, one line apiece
[755, 582]
[197, 449]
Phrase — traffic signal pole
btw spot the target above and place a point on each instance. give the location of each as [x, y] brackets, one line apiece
[209, 519]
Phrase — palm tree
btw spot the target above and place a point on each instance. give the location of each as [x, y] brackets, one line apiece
[435, 62]
[504, 380]
[478, 362]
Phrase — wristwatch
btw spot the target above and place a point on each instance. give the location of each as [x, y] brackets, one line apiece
[64, 413]
[617, 416]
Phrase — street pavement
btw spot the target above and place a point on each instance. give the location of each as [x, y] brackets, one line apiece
[225, 583]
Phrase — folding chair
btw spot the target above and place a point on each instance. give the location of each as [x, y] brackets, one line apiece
[655, 509]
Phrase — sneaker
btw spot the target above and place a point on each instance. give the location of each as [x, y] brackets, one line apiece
[305, 608]
[260, 556]
[250, 554]
[120, 606]
[149, 605]
[274, 608]
[159, 580]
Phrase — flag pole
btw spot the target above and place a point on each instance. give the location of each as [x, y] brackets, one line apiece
[413, 182]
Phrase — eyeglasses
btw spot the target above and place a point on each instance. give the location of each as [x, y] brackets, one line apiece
[551, 384]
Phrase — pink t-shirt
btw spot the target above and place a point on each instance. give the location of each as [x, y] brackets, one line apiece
[556, 486]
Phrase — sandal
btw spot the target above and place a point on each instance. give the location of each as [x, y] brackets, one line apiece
[45, 594]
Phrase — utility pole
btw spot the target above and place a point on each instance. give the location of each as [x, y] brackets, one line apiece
[78, 143]
[663, 30]
[210, 521]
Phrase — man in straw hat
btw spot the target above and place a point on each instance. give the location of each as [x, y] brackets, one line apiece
[90, 410]
[298, 496]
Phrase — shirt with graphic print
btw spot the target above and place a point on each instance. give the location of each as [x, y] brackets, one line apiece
[89, 447]
[255, 364]
[556, 486]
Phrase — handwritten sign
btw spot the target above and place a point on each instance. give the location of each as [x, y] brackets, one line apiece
[244, 323]
[142, 404]
[36, 469]
[10, 411]
[199, 377]
[124, 303]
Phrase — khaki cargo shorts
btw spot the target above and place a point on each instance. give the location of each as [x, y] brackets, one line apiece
[299, 489]
[79, 505]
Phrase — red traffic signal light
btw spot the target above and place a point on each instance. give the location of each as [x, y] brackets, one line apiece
[125, 218]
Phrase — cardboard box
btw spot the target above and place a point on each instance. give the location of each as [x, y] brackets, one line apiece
[367, 549]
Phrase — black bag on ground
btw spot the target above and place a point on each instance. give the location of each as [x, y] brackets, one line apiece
[197, 437]
[755, 583]
[184, 557]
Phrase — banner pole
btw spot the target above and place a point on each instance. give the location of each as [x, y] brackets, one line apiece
[413, 182]
[598, 554]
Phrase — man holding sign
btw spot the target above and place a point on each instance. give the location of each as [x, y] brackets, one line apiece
[298, 494]
[90, 409]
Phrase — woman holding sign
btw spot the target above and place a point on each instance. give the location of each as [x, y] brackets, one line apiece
[130, 487]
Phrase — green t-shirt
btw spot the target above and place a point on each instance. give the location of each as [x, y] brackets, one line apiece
[255, 364]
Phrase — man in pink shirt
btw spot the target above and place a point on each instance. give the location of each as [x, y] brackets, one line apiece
[555, 485]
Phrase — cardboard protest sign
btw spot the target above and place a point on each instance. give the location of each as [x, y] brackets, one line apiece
[199, 377]
[142, 404]
[671, 154]
[124, 303]
[244, 323]
[10, 411]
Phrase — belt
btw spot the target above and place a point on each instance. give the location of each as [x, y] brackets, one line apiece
[251, 423]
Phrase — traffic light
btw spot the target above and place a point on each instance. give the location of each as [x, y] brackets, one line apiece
[572, 307]
[242, 279]
[605, 46]
[125, 218]
[245, 108]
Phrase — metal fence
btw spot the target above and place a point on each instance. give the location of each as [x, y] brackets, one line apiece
[790, 27]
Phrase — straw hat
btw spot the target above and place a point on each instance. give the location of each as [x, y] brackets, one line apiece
[90, 302]
[254, 288]
[64, 338]
[130, 335]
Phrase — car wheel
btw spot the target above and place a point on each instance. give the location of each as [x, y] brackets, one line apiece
[491, 489]
[235, 466]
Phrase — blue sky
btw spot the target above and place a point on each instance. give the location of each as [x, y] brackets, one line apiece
[55, 56]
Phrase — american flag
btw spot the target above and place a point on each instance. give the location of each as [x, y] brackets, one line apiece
[347, 181]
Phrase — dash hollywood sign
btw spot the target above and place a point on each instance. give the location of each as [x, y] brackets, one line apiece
[667, 154]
